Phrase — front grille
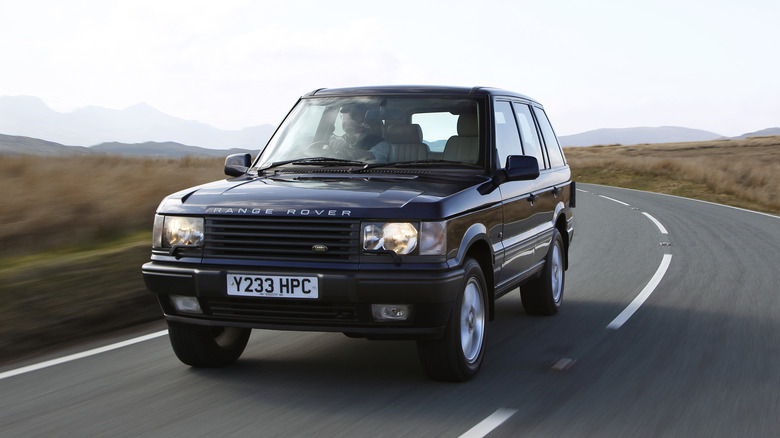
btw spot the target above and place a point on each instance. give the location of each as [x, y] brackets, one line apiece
[264, 310]
[281, 239]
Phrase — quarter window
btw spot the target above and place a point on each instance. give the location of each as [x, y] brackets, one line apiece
[553, 148]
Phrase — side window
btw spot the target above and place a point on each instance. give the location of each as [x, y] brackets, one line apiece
[553, 148]
[531, 144]
[507, 137]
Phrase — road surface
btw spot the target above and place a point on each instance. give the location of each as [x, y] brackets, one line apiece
[670, 327]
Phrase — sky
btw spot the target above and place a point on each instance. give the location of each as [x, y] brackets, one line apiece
[710, 65]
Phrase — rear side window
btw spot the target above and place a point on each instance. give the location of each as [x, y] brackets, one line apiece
[553, 148]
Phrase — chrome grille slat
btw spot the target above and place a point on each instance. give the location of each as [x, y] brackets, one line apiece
[281, 238]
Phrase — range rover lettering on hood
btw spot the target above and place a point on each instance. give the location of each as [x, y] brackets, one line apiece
[280, 211]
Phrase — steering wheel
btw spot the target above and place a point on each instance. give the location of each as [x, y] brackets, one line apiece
[316, 149]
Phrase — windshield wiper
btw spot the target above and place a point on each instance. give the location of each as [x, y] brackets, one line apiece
[328, 161]
[316, 161]
[418, 163]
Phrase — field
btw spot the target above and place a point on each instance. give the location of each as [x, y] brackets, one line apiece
[743, 173]
[52, 203]
[75, 231]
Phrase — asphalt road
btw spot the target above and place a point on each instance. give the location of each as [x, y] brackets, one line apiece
[699, 357]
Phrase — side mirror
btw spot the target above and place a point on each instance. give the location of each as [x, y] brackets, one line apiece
[521, 168]
[237, 164]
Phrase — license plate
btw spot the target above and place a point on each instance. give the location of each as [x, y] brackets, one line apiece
[272, 286]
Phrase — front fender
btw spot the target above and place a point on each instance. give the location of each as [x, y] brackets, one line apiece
[475, 233]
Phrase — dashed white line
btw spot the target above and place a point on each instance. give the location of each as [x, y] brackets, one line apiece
[488, 424]
[83, 354]
[613, 199]
[643, 296]
[657, 224]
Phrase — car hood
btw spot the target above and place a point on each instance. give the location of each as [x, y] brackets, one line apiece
[362, 196]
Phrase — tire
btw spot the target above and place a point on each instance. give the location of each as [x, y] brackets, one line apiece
[457, 356]
[205, 346]
[544, 295]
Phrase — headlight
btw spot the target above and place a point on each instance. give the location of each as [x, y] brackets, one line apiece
[399, 237]
[405, 237]
[171, 231]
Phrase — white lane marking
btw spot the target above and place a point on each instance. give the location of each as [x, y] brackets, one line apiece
[83, 354]
[644, 295]
[657, 224]
[691, 199]
[488, 424]
[613, 199]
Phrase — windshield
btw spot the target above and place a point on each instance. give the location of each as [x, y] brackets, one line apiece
[376, 131]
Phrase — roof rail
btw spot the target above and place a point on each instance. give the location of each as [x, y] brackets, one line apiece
[313, 92]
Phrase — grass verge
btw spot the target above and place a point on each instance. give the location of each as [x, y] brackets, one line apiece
[626, 178]
[743, 173]
[55, 298]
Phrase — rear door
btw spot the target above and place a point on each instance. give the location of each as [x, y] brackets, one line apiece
[552, 184]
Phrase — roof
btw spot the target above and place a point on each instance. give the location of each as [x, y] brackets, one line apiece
[416, 89]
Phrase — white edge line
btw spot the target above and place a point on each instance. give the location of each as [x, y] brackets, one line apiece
[690, 199]
[83, 354]
[643, 296]
[657, 224]
[488, 424]
[613, 199]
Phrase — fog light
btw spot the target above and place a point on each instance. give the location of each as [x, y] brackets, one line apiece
[186, 304]
[390, 312]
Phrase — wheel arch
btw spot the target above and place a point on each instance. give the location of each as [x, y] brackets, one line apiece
[476, 244]
[560, 225]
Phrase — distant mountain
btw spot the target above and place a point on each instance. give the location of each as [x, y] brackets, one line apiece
[165, 149]
[16, 145]
[626, 136]
[30, 117]
[762, 133]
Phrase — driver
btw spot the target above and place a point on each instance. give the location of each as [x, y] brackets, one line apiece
[358, 143]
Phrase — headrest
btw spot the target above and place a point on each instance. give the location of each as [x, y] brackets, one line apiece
[467, 125]
[404, 134]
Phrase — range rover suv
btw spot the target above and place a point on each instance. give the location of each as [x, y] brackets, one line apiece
[378, 212]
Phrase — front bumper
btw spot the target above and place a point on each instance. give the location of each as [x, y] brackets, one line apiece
[344, 303]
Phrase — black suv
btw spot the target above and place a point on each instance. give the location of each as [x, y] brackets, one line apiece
[379, 212]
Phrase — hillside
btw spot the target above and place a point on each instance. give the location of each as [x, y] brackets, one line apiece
[640, 135]
[761, 133]
[17, 145]
[165, 149]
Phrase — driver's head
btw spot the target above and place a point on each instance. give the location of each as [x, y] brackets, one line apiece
[353, 119]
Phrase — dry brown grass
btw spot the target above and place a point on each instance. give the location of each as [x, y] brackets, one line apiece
[56, 202]
[744, 173]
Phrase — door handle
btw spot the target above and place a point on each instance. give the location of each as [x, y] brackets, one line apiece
[556, 191]
[532, 198]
